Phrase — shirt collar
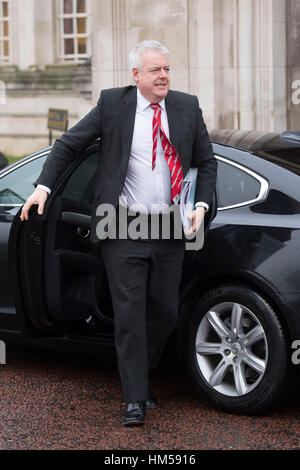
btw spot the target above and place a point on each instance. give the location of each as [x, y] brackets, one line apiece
[143, 103]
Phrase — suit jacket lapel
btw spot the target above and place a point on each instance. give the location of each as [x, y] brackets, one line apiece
[127, 118]
[174, 120]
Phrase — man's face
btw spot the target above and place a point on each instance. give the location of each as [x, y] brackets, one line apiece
[153, 80]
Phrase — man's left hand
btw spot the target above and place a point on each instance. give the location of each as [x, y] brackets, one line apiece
[196, 217]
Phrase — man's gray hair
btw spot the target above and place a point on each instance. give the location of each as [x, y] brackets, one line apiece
[135, 60]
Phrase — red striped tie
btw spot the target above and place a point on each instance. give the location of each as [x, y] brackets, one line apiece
[170, 153]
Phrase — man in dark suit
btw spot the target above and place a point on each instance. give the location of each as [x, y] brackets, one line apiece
[150, 137]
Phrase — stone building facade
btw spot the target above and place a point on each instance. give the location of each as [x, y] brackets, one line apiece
[240, 57]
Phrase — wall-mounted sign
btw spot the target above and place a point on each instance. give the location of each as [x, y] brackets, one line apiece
[58, 119]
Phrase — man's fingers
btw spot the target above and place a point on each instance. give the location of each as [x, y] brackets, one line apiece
[24, 213]
[38, 198]
[191, 229]
[194, 223]
[195, 218]
[25, 210]
[41, 208]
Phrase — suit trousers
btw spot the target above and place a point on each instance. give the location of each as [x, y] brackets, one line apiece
[144, 277]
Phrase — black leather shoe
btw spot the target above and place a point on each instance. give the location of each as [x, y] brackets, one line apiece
[151, 401]
[135, 413]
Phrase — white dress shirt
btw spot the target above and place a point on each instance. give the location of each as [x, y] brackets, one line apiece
[147, 190]
[144, 189]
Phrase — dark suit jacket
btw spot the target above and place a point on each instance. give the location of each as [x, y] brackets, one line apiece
[112, 119]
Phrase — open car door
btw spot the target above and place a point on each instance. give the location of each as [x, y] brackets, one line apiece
[53, 262]
[56, 271]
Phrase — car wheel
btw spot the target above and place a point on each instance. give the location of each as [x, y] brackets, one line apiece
[236, 350]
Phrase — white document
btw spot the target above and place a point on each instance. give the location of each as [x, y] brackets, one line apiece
[187, 197]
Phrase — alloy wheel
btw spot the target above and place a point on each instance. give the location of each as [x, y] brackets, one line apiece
[231, 349]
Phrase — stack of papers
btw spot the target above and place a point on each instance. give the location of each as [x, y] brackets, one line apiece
[187, 197]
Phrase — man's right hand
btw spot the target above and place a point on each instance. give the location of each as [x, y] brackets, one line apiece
[39, 197]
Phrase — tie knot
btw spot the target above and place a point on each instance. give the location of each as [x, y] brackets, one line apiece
[154, 106]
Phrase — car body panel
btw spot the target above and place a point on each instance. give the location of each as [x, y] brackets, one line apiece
[258, 243]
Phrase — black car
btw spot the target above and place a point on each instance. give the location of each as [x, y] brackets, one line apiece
[240, 294]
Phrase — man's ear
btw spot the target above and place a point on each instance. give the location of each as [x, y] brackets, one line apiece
[135, 74]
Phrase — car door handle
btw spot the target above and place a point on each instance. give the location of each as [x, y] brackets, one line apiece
[75, 218]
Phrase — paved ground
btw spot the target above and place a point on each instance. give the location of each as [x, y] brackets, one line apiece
[55, 401]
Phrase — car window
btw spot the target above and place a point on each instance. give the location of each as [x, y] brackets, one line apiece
[287, 158]
[235, 186]
[17, 185]
[80, 185]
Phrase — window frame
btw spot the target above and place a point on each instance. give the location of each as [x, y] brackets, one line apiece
[15, 167]
[76, 57]
[5, 59]
[264, 184]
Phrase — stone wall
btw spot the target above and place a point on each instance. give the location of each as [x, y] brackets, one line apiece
[293, 65]
[29, 95]
[231, 54]
[119, 24]
[36, 81]
[240, 57]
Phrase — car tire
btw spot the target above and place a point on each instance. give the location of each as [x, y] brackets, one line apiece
[236, 350]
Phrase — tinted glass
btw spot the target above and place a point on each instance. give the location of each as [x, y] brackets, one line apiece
[288, 158]
[235, 186]
[17, 185]
[80, 185]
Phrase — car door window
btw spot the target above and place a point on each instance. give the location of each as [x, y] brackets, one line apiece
[17, 185]
[235, 186]
[80, 186]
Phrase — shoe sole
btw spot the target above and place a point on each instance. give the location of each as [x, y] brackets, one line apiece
[133, 423]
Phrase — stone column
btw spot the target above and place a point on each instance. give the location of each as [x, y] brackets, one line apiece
[237, 62]
[44, 32]
[270, 65]
[102, 46]
[203, 74]
[293, 64]
[214, 63]
[261, 62]
[24, 33]
[245, 63]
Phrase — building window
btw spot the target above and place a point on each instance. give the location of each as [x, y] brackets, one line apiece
[5, 32]
[74, 29]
